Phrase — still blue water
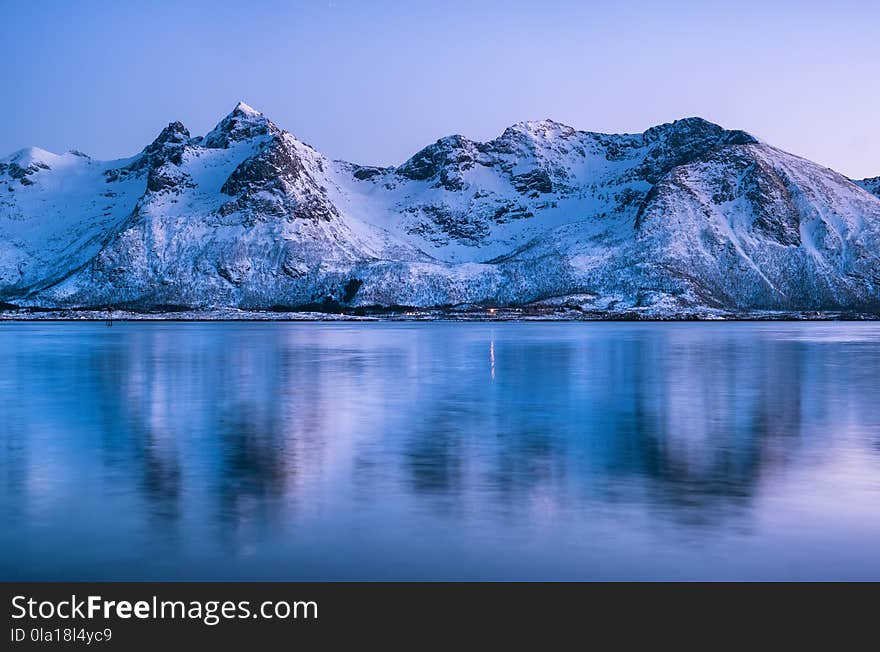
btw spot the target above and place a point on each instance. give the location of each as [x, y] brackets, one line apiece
[439, 451]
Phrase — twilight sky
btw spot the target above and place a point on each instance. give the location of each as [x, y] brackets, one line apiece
[373, 82]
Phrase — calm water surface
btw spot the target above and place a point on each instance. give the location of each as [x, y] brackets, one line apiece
[439, 450]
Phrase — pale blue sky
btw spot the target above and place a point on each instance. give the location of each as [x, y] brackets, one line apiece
[373, 82]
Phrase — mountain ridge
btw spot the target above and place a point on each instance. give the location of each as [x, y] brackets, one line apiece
[683, 218]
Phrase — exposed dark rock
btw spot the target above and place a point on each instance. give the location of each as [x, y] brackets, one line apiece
[775, 213]
[167, 177]
[444, 161]
[166, 150]
[351, 289]
[445, 224]
[275, 182]
[364, 172]
[243, 123]
[15, 171]
[511, 211]
[536, 180]
[274, 167]
[872, 185]
[681, 141]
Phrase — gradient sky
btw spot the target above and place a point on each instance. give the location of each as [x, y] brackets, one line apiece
[373, 82]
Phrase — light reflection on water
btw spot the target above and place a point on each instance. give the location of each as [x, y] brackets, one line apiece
[439, 450]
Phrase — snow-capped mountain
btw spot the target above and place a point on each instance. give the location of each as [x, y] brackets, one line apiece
[685, 216]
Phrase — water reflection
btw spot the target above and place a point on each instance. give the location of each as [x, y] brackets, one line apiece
[388, 450]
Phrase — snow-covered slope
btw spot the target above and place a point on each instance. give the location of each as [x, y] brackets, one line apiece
[753, 227]
[684, 216]
[55, 213]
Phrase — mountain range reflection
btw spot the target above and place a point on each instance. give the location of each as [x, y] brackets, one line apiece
[245, 439]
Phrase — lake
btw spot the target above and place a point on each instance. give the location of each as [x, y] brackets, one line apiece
[490, 451]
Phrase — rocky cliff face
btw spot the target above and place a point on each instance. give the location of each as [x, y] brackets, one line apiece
[685, 216]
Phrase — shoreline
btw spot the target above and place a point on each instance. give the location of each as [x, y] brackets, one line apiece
[427, 315]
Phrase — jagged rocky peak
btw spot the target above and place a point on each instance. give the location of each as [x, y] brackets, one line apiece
[534, 139]
[434, 160]
[538, 130]
[279, 179]
[168, 145]
[543, 142]
[243, 123]
[166, 150]
[676, 143]
[691, 137]
[446, 161]
[685, 131]
[243, 108]
[175, 132]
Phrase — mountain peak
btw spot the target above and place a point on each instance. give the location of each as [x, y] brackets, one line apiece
[246, 109]
[429, 162]
[694, 128]
[175, 132]
[681, 219]
[539, 129]
[29, 155]
[243, 123]
[539, 125]
[171, 139]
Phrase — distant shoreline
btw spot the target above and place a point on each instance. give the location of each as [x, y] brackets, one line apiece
[425, 315]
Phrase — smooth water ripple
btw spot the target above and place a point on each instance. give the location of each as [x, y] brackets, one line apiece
[440, 451]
